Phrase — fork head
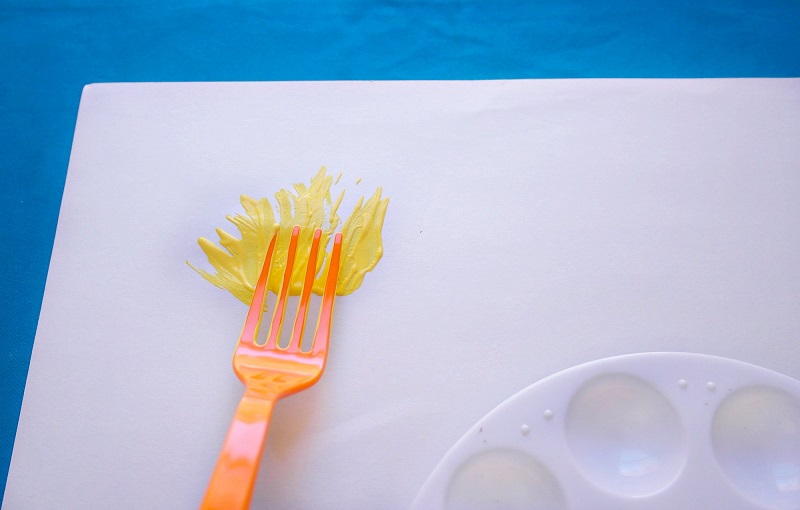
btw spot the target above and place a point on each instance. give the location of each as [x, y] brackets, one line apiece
[269, 370]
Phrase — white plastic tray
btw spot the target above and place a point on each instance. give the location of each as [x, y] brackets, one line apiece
[642, 431]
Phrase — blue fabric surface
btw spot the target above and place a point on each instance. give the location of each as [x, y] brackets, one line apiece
[50, 49]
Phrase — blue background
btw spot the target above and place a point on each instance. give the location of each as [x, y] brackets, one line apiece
[50, 49]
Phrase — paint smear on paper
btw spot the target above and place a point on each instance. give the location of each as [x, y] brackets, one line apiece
[238, 260]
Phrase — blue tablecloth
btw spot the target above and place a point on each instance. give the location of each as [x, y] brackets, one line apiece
[49, 49]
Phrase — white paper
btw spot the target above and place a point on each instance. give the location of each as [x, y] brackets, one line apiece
[533, 226]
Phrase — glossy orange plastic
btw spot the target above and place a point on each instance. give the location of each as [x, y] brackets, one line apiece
[270, 372]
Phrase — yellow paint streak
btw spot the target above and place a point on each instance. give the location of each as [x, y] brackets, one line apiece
[238, 260]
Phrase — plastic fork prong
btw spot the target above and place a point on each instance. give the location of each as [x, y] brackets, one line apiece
[295, 343]
[280, 305]
[253, 319]
[323, 331]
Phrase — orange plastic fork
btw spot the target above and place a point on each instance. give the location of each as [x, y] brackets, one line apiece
[270, 372]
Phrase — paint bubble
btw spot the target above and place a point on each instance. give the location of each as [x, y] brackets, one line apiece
[756, 437]
[683, 384]
[504, 479]
[625, 435]
[711, 386]
[525, 430]
[548, 414]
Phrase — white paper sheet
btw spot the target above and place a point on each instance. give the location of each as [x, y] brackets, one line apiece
[533, 226]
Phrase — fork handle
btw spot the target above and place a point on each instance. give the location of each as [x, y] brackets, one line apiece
[234, 476]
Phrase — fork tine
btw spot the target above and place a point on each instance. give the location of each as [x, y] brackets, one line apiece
[280, 305]
[323, 332]
[253, 319]
[295, 343]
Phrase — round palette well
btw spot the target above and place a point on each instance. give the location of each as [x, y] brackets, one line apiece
[640, 431]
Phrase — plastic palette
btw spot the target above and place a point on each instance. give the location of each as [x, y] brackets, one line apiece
[641, 431]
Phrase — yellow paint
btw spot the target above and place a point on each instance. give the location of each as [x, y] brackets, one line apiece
[237, 260]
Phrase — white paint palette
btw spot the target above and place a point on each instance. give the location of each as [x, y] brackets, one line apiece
[640, 431]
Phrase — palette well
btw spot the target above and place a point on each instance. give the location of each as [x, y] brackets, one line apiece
[641, 431]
